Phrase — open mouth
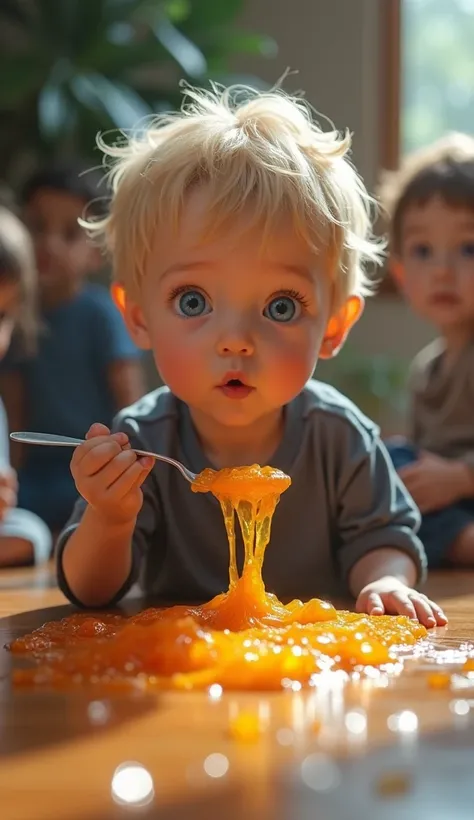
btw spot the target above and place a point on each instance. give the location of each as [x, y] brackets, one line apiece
[235, 388]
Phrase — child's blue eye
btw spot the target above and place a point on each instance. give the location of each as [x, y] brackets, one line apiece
[191, 303]
[282, 309]
[467, 250]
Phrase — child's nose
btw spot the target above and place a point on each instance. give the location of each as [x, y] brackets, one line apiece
[235, 341]
[444, 267]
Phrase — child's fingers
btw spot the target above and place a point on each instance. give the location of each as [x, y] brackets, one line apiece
[103, 479]
[375, 604]
[147, 463]
[423, 611]
[97, 429]
[131, 479]
[399, 603]
[371, 603]
[438, 614]
[412, 483]
[408, 471]
[92, 456]
[441, 618]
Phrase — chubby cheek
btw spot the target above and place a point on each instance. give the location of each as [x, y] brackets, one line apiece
[179, 360]
[291, 362]
[466, 293]
[418, 288]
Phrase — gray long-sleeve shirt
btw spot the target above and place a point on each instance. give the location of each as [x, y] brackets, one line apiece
[442, 402]
[344, 501]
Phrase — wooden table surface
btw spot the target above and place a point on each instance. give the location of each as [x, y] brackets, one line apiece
[59, 752]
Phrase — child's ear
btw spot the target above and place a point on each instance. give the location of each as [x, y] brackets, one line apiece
[339, 326]
[132, 315]
[397, 270]
[117, 293]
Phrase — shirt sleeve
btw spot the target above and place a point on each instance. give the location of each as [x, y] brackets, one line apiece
[374, 508]
[145, 533]
[112, 342]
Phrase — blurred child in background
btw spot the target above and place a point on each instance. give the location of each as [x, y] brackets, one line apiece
[86, 366]
[431, 205]
[23, 536]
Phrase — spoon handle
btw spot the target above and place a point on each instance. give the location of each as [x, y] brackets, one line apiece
[52, 440]
[48, 439]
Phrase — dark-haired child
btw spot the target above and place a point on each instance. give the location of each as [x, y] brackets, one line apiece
[431, 205]
[86, 366]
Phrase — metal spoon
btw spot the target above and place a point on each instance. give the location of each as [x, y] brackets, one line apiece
[49, 440]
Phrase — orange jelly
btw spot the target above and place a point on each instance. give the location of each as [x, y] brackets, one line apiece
[244, 638]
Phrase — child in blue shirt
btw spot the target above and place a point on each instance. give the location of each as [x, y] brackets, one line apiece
[86, 366]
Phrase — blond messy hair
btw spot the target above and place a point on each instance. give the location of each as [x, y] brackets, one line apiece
[259, 155]
[445, 168]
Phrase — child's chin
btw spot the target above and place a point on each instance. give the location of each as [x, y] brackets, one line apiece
[235, 419]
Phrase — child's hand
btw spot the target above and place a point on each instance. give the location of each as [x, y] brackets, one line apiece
[390, 596]
[8, 490]
[109, 475]
[435, 482]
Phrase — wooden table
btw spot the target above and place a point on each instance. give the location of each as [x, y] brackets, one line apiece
[59, 752]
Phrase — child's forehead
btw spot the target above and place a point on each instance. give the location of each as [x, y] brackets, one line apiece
[201, 228]
[48, 200]
[435, 212]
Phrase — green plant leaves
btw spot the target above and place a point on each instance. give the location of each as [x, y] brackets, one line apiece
[123, 106]
[188, 56]
[76, 67]
[21, 76]
[204, 14]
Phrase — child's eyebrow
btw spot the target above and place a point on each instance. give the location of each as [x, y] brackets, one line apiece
[413, 231]
[183, 267]
[298, 270]
[417, 231]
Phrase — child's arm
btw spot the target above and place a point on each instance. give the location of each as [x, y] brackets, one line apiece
[104, 545]
[380, 555]
[382, 582]
[96, 560]
[436, 482]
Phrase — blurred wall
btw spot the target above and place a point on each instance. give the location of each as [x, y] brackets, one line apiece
[335, 44]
